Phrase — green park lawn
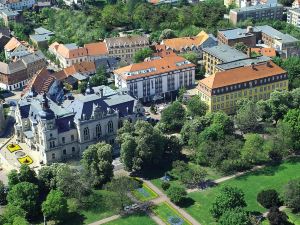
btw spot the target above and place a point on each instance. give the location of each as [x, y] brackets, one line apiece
[139, 219]
[166, 212]
[294, 218]
[212, 174]
[97, 210]
[271, 177]
[144, 193]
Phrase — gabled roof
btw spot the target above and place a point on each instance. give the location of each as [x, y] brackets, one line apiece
[95, 49]
[12, 44]
[153, 67]
[180, 43]
[68, 51]
[241, 74]
[41, 82]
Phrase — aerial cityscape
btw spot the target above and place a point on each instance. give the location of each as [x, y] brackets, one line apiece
[144, 112]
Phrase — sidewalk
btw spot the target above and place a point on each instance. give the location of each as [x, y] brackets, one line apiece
[222, 179]
[106, 220]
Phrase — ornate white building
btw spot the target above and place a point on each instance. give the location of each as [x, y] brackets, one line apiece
[60, 132]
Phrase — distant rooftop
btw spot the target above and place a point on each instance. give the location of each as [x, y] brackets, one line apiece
[71, 46]
[225, 53]
[40, 37]
[285, 38]
[42, 30]
[242, 62]
[256, 7]
[296, 10]
[236, 33]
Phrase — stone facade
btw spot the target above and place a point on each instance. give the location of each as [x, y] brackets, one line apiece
[61, 132]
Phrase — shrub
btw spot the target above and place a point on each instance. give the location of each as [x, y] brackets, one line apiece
[176, 194]
[165, 186]
[268, 198]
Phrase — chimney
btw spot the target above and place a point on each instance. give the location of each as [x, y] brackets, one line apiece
[268, 64]
[249, 52]
[252, 65]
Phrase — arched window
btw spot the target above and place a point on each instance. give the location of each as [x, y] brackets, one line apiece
[86, 134]
[53, 155]
[98, 130]
[120, 124]
[110, 127]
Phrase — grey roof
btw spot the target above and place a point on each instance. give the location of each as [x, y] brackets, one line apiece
[9, 12]
[71, 46]
[107, 63]
[285, 38]
[242, 62]
[257, 7]
[40, 37]
[79, 76]
[236, 33]
[36, 56]
[225, 53]
[85, 104]
[41, 30]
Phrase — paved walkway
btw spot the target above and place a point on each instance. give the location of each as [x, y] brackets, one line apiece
[222, 179]
[106, 220]
[163, 198]
[281, 208]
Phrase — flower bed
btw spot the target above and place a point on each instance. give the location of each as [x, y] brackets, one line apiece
[144, 193]
[169, 215]
[13, 147]
[25, 160]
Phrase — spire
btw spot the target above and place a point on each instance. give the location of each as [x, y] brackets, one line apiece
[89, 89]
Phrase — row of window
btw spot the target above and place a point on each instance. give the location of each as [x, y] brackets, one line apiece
[249, 92]
[249, 84]
[86, 131]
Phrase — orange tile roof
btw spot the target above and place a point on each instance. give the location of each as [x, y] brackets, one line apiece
[241, 74]
[161, 51]
[68, 53]
[178, 44]
[83, 67]
[270, 52]
[158, 66]
[41, 81]
[94, 49]
[12, 44]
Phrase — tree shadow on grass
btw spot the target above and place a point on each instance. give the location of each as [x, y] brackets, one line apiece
[73, 218]
[186, 202]
[269, 170]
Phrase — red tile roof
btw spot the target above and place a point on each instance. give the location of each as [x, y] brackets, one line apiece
[153, 67]
[241, 74]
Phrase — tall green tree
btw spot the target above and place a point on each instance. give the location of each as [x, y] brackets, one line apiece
[227, 199]
[292, 119]
[3, 193]
[97, 163]
[237, 216]
[143, 146]
[247, 116]
[100, 78]
[173, 116]
[142, 54]
[291, 194]
[24, 195]
[196, 107]
[255, 149]
[11, 212]
[55, 206]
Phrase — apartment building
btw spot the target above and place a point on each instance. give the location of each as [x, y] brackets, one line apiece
[15, 75]
[237, 35]
[220, 54]
[285, 44]
[8, 15]
[70, 54]
[257, 12]
[156, 78]
[125, 47]
[18, 4]
[293, 17]
[190, 44]
[222, 90]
